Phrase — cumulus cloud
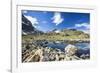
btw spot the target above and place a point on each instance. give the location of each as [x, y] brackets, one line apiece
[57, 19]
[33, 20]
[85, 25]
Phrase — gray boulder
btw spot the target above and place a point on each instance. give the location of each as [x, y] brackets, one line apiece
[70, 50]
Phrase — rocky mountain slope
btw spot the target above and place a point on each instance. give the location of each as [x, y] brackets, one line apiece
[27, 27]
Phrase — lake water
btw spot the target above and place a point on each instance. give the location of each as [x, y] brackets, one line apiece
[83, 48]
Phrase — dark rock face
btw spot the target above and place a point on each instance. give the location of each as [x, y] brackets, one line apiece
[26, 25]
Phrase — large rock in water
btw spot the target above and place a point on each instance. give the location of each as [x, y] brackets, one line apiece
[70, 50]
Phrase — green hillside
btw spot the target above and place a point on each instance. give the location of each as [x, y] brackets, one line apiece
[66, 34]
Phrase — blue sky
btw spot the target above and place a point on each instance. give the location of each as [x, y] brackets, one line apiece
[47, 21]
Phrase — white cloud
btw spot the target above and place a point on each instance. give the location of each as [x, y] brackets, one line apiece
[85, 25]
[33, 20]
[57, 19]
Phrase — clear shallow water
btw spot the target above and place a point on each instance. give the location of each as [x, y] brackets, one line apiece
[83, 48]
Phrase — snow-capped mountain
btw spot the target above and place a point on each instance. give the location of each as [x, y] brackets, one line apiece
[56, 31]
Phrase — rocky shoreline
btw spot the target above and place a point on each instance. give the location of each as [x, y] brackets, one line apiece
[40, 53]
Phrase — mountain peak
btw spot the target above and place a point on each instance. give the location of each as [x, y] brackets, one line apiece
[56, 31]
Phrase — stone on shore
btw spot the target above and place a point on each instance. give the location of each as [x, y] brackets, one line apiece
[70, 50]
